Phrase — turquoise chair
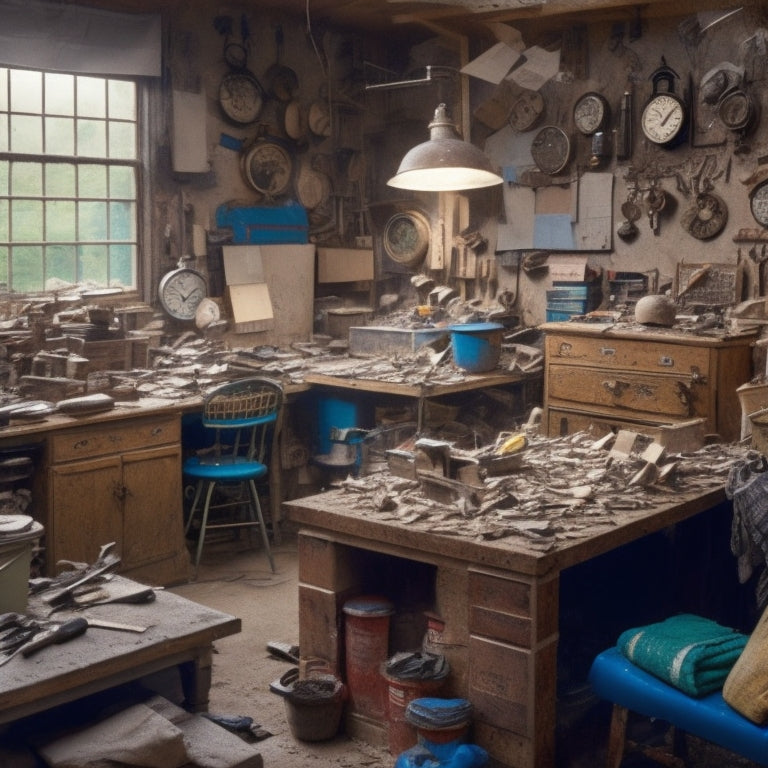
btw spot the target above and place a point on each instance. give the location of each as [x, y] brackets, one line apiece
[243, 416]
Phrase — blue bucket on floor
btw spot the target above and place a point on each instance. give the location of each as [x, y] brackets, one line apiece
[477, 346]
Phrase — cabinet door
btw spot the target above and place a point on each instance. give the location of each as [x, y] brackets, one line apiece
[153, 528]
[85, 509]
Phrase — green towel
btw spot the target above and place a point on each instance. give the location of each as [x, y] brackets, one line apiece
[687, 651]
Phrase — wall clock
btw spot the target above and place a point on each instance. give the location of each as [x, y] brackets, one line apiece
[268, 167]
[406, 238]
[181, 291]
[240, 96]
[551, 149]
[526, 110]
[664, 117]
[706, 218]
[591, 113]
[737, 110]
[758, 203]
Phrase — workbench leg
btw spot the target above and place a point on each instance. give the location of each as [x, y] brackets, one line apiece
[196, 680]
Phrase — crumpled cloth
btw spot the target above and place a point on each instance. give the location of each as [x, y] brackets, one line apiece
[747, 487]
[690, 652]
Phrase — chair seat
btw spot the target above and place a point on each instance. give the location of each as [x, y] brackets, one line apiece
[616, 679]
[224, 468]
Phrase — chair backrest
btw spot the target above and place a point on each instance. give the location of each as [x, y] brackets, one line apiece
[243, 412]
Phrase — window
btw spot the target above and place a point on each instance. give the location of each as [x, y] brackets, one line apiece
[68, 181]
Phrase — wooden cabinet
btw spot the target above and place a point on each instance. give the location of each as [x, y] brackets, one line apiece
[634, 378]
[119, 481]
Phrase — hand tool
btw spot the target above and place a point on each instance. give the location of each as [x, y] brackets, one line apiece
[104, 624]
[59, 633]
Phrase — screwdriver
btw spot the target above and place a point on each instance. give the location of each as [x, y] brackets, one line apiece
[55, 635]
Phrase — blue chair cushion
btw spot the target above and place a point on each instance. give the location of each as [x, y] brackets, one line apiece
[224, 468]
[614, 678]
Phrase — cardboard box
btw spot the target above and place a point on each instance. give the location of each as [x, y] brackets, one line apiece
[344, 265]
[251, 307]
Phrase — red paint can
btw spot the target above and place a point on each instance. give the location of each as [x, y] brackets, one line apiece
[366, 643]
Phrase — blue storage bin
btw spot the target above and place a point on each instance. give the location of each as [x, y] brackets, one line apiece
[264, 225]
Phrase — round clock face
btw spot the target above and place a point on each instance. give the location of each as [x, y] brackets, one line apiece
[735, 110]
[551, 149]
[663, 118]
[240, 97]
[406, 238]
[180, 292]
[590, 114]
[706, 218]
[268, 168]
[526, 111]
[758, 203]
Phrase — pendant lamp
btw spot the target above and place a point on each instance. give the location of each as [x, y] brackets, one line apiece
[444, 163]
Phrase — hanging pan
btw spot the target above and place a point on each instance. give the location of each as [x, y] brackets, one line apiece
[282, 81]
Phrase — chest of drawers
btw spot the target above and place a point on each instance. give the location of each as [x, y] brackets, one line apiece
[630, 378]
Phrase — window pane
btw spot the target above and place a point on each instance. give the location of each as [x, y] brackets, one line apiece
[121, 182]
[3, 89]
[92, 181]
[121, 261]
[122, 100]
[27, 134]
[3, 133]
[121, 221]
[5, 234]
[122, 140]
[61, 221]
[91, 138]
[59, 94]
[26, 221]
[92, 221]
[60, 180]
[4, 269]
[61, 263]
[26, 179]
[26, 91]
[59, 136]
[93, 264]
[4, 165]
[27, 268]
[91, 97]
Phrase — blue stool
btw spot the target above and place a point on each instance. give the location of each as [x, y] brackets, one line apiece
[616, 679]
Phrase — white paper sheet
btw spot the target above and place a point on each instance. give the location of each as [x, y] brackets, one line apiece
[539, 66]
[494, 64]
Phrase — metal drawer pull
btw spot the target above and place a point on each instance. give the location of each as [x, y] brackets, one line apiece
[615, 387]
[667, 362]
[607, 351]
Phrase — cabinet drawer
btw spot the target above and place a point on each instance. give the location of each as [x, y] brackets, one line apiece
[114, 437]
[651, 356]
[674, 396]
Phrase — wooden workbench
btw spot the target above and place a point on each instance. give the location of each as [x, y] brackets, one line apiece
[180, 633]
[499, 601]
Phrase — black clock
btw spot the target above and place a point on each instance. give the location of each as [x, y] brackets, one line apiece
[591, 113]
[664, 118]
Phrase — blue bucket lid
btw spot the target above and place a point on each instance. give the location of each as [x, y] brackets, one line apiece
[369, 605]
[438, 713]
[476, 327]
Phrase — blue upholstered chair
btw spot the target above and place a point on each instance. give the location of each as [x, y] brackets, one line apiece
[243, 415]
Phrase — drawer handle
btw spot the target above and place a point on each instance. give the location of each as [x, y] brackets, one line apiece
[607, 351]
[616, 388]
[157, 431]
[667, 362]
[81, 443]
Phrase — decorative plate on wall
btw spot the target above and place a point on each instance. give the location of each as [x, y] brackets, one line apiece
[406, 238]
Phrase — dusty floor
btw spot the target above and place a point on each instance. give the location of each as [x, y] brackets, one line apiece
[241, 583]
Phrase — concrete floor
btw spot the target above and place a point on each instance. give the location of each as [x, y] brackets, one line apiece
[236, 579]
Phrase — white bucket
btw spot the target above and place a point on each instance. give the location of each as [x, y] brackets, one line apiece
[15, 560]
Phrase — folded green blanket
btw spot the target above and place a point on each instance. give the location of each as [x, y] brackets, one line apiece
[687, 651]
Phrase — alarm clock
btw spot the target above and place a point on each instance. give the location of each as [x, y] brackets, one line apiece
[664, 117]
[180, 292]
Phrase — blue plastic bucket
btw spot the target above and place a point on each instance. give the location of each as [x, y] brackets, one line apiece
[477, 346]
[333, 412]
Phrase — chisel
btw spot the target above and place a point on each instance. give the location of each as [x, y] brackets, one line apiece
[60, 633]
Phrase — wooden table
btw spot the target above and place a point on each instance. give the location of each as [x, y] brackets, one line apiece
[180, 634]
[499, 601]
